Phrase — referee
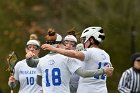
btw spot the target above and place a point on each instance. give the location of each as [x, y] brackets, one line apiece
[130, 79]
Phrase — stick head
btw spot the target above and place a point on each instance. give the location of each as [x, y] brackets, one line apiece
[11, 60]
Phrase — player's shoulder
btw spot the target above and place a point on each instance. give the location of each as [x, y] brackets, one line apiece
[98, 52]
[93, 50]
[53, 56]
[77, 60]
[69, 59]
[21, 62]
[101, 51]
[61, 57]
[42, 57]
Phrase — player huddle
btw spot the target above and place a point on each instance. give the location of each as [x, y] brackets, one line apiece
[64, 69]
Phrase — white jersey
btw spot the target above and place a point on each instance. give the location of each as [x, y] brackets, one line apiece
[55, 70]
[27, 78]
[95, 58]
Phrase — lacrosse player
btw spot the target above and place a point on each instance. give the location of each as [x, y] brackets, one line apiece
[70, 42]
[24, 74]
[93, 58]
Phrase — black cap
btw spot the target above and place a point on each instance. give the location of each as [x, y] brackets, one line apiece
[135, 56]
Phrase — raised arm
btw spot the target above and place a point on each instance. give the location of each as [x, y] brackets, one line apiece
[31, 62]
[70, 53]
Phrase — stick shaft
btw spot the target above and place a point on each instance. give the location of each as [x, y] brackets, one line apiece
[12, 84]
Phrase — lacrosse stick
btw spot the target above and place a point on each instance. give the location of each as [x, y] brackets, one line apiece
[11, 60]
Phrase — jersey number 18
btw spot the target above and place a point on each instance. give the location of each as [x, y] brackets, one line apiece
[56, 77]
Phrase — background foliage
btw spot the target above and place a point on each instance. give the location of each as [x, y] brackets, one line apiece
[20, 18]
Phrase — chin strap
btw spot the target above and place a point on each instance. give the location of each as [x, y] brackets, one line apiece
[89, 45]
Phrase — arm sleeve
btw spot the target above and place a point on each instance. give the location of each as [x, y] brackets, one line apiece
[16, 70]
[122, 87]
[31, 62]
[89, 73]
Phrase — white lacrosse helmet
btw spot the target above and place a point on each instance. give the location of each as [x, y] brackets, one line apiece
[96, 32]
[70, 38]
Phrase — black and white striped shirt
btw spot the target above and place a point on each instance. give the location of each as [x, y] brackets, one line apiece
[129, 82]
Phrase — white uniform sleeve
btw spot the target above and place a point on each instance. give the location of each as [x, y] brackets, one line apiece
[73, 64]
[16, 70]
